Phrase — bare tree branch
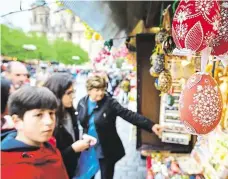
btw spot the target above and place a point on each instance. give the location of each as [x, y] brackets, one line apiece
[20, 5]
[22, 10]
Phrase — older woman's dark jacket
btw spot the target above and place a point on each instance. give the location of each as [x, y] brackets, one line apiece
[105, 122]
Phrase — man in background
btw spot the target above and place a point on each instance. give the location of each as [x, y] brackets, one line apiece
[17, 74]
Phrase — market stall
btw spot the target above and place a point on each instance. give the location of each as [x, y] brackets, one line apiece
[182, 81]
[186, 90]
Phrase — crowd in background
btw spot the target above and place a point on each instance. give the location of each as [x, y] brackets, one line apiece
[119, 82]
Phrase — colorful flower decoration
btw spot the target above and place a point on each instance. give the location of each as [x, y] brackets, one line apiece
[102, 55]
[121, 53]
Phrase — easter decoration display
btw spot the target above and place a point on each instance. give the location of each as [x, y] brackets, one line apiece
[164, 46]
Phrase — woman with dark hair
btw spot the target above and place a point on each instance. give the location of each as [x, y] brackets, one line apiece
[6, 122]
[66, 130]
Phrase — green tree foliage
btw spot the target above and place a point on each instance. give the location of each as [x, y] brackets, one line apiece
[12, 41]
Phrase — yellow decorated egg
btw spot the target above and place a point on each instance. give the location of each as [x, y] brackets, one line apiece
[164, 81]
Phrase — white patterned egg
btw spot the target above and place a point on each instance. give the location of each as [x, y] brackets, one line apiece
[200, 104]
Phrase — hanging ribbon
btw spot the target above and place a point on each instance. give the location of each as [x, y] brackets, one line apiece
[204, 58]
[161, 16]
[174, 6]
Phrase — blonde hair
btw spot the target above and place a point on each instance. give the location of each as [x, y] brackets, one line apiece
[95, 82]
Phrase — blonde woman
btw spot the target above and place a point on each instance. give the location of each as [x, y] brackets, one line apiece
[97, 114]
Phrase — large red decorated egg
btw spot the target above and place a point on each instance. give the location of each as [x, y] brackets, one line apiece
[200, 104]
[195, 23]
[220, 42]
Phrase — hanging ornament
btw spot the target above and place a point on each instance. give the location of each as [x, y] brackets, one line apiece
[102, 55]
[121, 53]
[166, 22]
[88, 33]
[108, 44]
[220, 42]
[195, 24]
[69, 11]
[161, 36]
[152, 73]
[156, 84]
[157, 60]
[158, 63]
[96, 36]
[168, 45]
[200, 104]
[164, 81]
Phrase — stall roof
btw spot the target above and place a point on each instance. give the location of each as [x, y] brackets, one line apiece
[117, 18]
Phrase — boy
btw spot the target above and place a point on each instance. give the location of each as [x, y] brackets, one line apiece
[25, 152]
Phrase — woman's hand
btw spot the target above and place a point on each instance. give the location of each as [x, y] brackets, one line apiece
[157, 129]
[92, 140]
[80, 145]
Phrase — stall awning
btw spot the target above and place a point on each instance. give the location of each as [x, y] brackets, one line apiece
[116, 18]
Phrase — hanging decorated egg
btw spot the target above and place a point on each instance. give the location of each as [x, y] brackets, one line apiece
[200, 104]
[195, 24]
[220, 42]
[152, 73]
[158, 62]
[156, 84]
[161, 36]
[164, 82]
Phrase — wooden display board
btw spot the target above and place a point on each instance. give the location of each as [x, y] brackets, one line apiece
[148, 99]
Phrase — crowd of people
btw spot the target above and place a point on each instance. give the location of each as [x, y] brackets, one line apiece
[40, 126]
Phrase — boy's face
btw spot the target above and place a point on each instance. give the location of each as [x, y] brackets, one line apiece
[36, 127]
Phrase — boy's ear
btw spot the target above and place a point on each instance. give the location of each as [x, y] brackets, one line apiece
[17, 121]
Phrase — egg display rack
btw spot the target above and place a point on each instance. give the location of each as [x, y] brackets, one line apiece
[169, 118]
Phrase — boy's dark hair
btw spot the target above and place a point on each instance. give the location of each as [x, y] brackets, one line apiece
[28, 98]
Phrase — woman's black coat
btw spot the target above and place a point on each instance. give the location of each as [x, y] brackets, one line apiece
[64, 141]
[105, 115]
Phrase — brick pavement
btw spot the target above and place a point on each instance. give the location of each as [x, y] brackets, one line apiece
[131, 166]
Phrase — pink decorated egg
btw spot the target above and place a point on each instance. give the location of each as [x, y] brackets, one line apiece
[195, 24]
[200, 104]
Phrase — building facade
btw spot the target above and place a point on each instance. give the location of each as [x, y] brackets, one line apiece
[55, 22]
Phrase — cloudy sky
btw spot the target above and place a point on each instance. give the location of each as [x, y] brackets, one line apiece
[20, 19]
